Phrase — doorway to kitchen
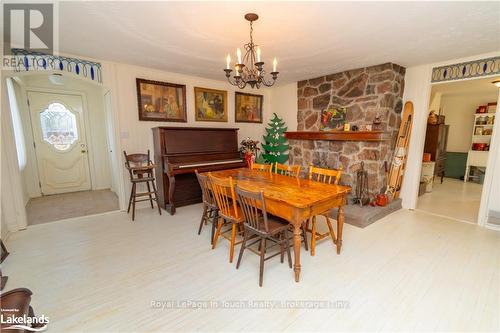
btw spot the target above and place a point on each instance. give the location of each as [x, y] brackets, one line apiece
[456, 151]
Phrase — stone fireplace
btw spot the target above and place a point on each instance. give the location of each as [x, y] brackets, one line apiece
[366, 93]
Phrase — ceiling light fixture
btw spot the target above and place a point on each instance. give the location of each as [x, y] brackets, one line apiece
[57, 79]
[496, 83]
[250, 68]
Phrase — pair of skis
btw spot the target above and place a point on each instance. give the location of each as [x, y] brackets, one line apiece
[398, 165]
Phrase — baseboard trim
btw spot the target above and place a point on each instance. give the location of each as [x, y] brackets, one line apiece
[446, 217]
[102, 188]
[492, 226]
[494, 213]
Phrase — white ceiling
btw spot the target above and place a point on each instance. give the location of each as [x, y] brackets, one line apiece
[308, 38]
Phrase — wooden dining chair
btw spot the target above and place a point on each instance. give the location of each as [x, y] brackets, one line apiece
[287, 170]
[141, 168]
[261, 228]
[210, 210]
[229, 212]
[327, 176]
[262, 167]
[291, 171]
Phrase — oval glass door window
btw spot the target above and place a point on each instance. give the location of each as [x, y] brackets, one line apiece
[58, 126]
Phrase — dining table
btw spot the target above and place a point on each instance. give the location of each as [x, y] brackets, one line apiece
[294, 199]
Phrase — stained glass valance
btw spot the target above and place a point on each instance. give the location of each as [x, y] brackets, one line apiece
[466, 70]
[35, 61]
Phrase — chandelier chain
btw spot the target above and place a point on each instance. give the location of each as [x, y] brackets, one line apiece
[251, 32]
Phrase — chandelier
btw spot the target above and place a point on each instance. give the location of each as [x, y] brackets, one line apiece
[250, 68]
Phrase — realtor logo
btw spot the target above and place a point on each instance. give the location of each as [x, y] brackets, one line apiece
[28, 26]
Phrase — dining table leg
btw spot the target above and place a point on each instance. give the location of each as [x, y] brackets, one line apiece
[340, 226]
[297, 230]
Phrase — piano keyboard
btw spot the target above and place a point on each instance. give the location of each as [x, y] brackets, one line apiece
[208, 163]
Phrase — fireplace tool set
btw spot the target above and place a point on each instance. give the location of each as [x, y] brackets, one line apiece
[362, 197]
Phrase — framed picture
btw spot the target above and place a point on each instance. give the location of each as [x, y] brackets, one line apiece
[210, 104]
[248, 108]
[332, 119]
[161, 101]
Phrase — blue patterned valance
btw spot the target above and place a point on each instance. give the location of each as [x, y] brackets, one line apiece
[466, 70]
[34, 61]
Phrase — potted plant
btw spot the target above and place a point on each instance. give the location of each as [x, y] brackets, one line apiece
[249, 149]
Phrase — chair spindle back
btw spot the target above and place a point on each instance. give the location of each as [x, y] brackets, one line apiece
[206, 190]
[287, 170]
[223, 190]
[325, 175]
[253, 206]
[262, 167]
[136, 160]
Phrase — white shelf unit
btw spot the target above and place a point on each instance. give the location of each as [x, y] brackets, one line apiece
[479, 158]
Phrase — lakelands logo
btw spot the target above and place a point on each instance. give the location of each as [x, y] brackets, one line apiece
[24, 323]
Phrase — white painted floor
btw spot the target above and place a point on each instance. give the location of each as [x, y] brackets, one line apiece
[453, 198]
[411, 271]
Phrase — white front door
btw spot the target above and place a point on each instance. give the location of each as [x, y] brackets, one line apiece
[60, 143]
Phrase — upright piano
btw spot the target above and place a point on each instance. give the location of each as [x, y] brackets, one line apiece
[179, 151]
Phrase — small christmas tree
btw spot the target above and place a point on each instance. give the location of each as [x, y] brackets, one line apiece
[275, 144]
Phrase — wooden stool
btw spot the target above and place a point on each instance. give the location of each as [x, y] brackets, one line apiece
[326, 176]
[141, 169]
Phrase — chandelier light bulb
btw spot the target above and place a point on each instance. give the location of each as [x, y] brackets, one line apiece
[228, 61]
[275, 62]
[258, 54]
[238, 53]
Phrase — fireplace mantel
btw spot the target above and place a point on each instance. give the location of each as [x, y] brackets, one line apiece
[373, 136]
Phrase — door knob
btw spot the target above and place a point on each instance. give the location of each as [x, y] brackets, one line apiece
[84, 151]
